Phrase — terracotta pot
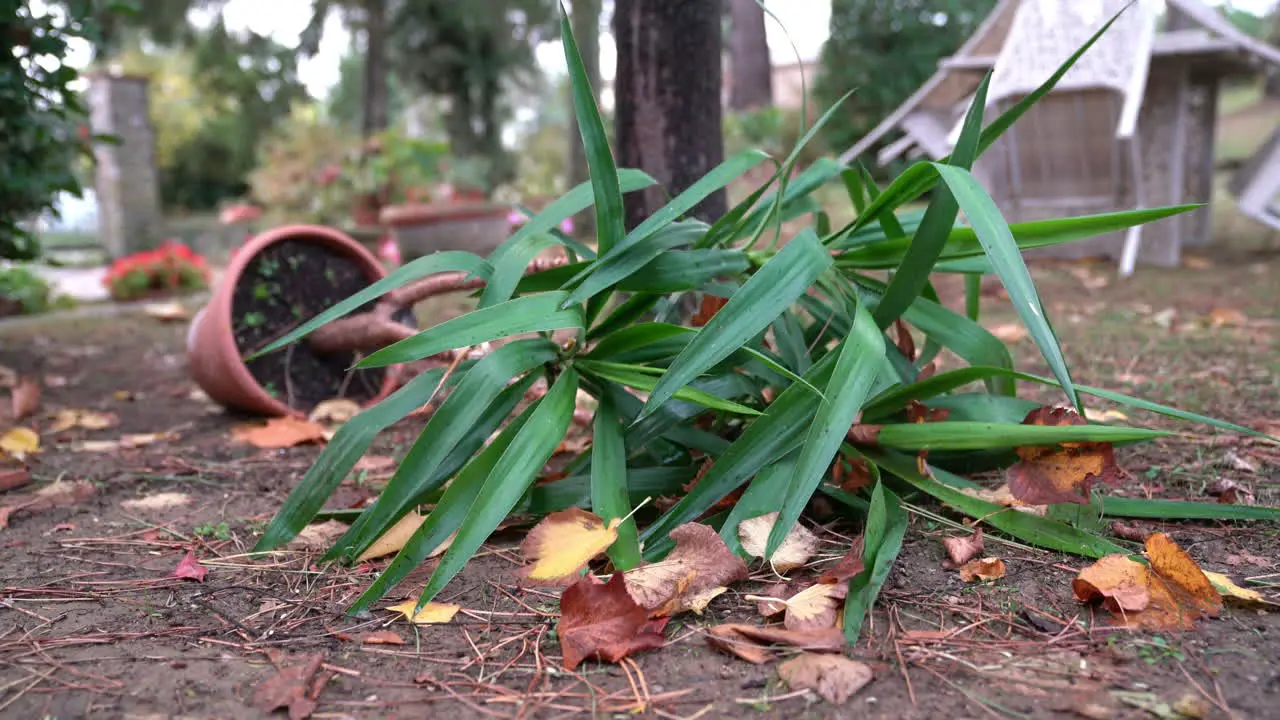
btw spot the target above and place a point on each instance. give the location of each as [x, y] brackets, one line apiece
[212, 355]
[424, 228]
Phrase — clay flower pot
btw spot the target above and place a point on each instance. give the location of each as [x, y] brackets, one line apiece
[311, 267]
[424, 228]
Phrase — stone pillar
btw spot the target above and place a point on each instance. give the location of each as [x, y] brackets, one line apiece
[126, 178]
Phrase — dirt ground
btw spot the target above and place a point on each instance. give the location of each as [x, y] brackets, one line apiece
[93, 625]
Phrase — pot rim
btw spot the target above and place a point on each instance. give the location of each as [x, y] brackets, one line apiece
[218, 309]
[407, 214]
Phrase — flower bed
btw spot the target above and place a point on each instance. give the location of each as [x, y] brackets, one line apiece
[172, 268]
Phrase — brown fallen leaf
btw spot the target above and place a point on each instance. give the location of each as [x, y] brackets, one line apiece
[381, 637]
[375, 464]
[961, 550]
[1227, 317]
[1048, 474]
[834, 677]
[849, 564]
[189, 568]
[753, 643]
[25, 398]
[773, 599]
[1172, 593]
[157, 501]
[816, 607]
[562, 544]
[1002, 496]
[708, 308]
[172, 311]
[283, 432]
[990, 568]
[60, 493]
[602, 620]
[318, 536]
[13, 478]
[700, 561]
[68, 419]
[1009, 333]
[796, 548]
[290, 688]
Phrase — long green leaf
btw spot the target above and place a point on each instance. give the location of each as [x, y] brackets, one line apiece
[682, 270]
[447, 515]
[531, 313]
[623, 261]
[913, 272]
[609, 496]
[886, 527]
[510, 477]
[962, 435]
[639, 377]
[349, 442]
[857, 366]
[509, 269]
[773, 288]
[604, 173]
[1007, 260]
[1184, 510]
[462, 410]
[450, 261]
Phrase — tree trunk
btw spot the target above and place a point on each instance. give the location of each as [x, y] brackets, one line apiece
[668, 89]
[374, 119]
[586, 30]
[750, 70]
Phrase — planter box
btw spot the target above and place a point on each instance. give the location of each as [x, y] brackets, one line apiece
[422, 229]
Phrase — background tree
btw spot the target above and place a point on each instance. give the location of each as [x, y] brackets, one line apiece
[750, 68]
[473, 54]
[345, 102]
[668, 88]
[886, 49]
[368, 20]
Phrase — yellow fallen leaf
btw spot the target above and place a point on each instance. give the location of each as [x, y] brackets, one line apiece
[796, 548]
[431, 614]
[563, 543]
[699, 602]
[336, 411]
[158, 501]
[394, 539]
[1103, 416]
[1228, 589]
[1169, 594]
[816, 607]
[171, 311]
[988, 568]
[20, 442]
[86, 419]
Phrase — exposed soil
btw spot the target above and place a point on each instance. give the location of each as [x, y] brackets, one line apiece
[92, 624]
[287, 284]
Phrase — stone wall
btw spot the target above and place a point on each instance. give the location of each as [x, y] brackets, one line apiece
[126, 180]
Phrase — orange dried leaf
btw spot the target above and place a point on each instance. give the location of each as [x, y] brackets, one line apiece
[562, 544]
[1048, 474]
[849, 565]
[701, 561]
[710, 305]
[284, 432]
[982, 569]
[1170, 594]
[961, 550]
[602, 620]
[752, 643]
[290, 688]
[381, 637]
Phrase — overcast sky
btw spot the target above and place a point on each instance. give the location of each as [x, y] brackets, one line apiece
[805, 22]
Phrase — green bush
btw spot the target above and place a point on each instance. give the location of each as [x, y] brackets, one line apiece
[43, 131]
[800, 369]
[24, 291]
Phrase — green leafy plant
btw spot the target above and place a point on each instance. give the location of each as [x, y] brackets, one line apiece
[794, 371]
[24, 292]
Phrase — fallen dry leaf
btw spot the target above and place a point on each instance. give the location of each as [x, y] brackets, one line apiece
[961, 550]
[1009, 333]
[1244, 557]
[335, 411]
[700, 561]
[68, 419]
[1193, 262]
[60, 493]
[283, 432]
[20, 442]
[990, 568]
[190, 568]
[1227, 317]
[172, 311]
[375, 464]
[1105, 416]
[708, 308]
[562, 544]
[834, 677]
[13, 478]
[1048, 474]
[796, 548]
[126, 442]
[752, 643]
[25, 398]
[816, 607]
[602, 620]
[393, 539]
[8, 376]
[381, 637]
[433, 613]
[290, 688]
[849, 564]
[158, 501]
[1229, 590]
[318, 536]
[1171, 593]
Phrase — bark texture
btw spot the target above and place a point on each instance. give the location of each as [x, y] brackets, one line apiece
[750, 70]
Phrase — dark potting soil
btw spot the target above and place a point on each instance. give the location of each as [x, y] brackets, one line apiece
[284, 286]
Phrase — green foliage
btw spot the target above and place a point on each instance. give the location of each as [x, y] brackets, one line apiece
[43, 122]
[345, 103]
[884, 50]
[796, 355]
[23, 291]
[774, 130]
